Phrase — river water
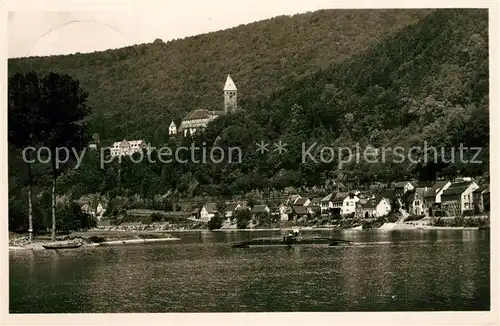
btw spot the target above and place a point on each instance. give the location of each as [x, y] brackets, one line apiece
[407, 270]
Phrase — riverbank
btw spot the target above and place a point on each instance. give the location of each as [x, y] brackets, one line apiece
[90, 239]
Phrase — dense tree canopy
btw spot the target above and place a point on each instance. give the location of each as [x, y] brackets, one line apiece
[400, 78]
[136, 91]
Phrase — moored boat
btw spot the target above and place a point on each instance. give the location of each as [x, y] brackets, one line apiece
[73, 245]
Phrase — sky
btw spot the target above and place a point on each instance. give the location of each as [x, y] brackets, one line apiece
[40, 32]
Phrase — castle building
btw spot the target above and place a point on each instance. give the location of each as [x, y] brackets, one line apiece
[198, 119]
[230, 96]
[172, 129]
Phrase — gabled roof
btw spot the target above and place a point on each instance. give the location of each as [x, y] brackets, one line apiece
[197, 114]
[328, 197]
[229, 86]
[301, 201]
[420, 192]
[454, 191]
[431, 192]
[172, 124]
[436, 187]
[211, 208]
[259, 209]
[301, 210]
[481, 189]
[315, 201]
[388, 192]
[401, 184]
[195, 211]
[341, 196]
[459, 184]
[231, 207]
[371, 204]
[439, 184]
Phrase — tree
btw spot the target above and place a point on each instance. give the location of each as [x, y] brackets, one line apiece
[63, 106]
[72, 218]
[243, 217]
[24, 117]
[216, 221]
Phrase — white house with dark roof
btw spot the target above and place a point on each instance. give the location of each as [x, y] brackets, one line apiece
[326, 203]
[231, 208]
[403, 187]
[348, 203]
[208, 211]
[375, 206]
[458, 198]
[127, 147]
[343, 203]
[432, 197]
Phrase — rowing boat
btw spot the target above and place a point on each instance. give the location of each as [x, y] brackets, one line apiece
[62, 246]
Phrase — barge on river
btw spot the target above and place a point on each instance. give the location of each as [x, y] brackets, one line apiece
[292, 239]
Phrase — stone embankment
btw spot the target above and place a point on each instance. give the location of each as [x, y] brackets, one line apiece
[139, 227]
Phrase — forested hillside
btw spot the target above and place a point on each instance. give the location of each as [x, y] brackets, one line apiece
[426, 82]
[136, 91]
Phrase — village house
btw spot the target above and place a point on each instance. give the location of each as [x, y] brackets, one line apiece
[486, 200]
[314, 206]
[300, 211]
[284, 211]
[302, 202]
[344, 203]
[127, 147]
[195, 213]
[260, 209]
[326, 203]
[415, 201]
[481, 202]
[400, 188]
[375, 206]
[199, 119]
[96, 211]
[458, 199]
[286, 208]
[231, 208]
[207, 212]
[432, 198]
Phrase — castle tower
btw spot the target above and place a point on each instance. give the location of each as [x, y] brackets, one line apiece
[230, 96]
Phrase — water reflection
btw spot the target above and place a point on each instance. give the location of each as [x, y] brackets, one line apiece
[384, 271]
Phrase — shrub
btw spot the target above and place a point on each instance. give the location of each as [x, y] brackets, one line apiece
[216, 222]
[243, 217]
[157, 217]
[96, 239]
